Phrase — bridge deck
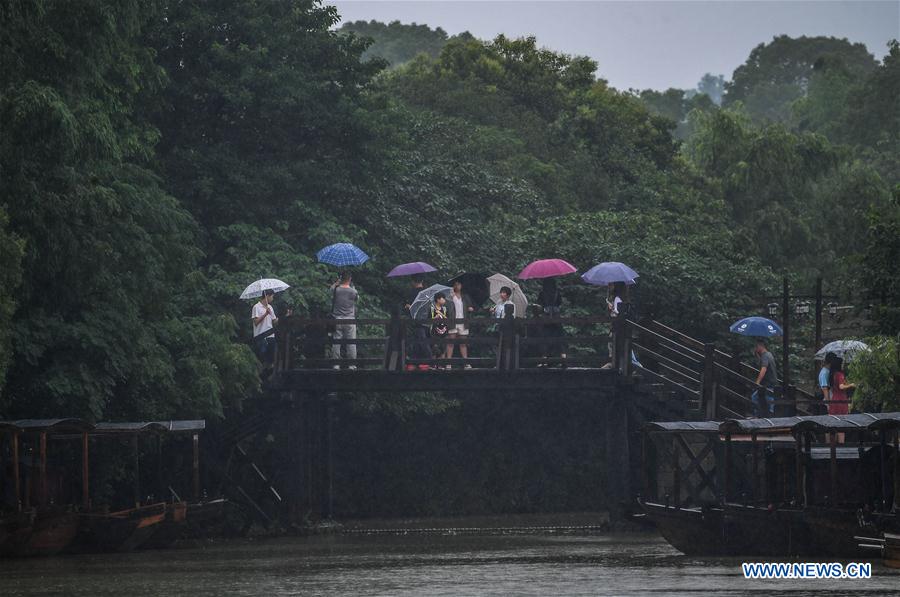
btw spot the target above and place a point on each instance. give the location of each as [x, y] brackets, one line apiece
[380, 380]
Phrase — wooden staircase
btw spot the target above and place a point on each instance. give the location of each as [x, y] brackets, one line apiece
[691, 378]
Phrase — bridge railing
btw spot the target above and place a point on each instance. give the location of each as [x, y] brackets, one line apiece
[728, 383]
[713, 382]
[397, 343]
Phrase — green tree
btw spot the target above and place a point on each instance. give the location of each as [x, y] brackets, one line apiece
[11, 249]
[105, 324]
[397, 43]
[713, 86]
[769, 177]
[778, 73]
[872, 120]
[877, 375]
[877, 267]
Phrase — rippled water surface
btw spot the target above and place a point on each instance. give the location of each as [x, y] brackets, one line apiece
[414, 565]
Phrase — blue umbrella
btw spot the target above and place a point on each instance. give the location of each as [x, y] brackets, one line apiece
[342, 254]
[608, 272]
[756, 326]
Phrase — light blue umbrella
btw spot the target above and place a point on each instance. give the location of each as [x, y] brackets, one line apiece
[342, 254]
[845, 349]
[759, 327]
[419, 309]
[609, 272]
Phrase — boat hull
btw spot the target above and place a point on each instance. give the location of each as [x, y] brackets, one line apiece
[50, 534]
[170, 529]
[119, 531]
[731, 530]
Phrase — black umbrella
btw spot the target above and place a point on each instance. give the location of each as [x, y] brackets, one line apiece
[474, 284]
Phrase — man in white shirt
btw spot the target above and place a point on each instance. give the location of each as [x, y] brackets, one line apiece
[263, 316]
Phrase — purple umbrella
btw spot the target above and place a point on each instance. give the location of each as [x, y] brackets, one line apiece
[609, 272]
[546, 268]
[410, 269]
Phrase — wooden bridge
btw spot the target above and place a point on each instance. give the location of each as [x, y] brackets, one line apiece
[514, 354]
[645, 370]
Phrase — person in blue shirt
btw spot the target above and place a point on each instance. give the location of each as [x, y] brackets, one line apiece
[823, 378]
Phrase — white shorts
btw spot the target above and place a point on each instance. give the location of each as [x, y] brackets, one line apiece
[459, 330]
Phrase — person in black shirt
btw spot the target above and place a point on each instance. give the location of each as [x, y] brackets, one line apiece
[418, 347]
[550, 301]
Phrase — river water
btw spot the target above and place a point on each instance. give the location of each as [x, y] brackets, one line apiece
[414, 564]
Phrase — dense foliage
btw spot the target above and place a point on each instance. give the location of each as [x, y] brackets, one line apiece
[777, 73]
[397, 43]
[156, 158]
[876, 373]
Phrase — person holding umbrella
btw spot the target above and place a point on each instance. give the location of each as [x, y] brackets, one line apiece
[422, 312]
[439, 327]
[837, 381]
[418, 348]
[262, 316]
[550, 300]
[767, 378]
[459, 307]
[761, 328]
[505, 299]
[343, 306]
[824, 384]
[264, 320]
[614, 305]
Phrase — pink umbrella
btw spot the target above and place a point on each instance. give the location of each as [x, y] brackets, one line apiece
[546, 268]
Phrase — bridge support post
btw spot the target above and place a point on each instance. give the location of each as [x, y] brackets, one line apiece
[316, 498]
[618, 470]
[393, 358]
[505, 360]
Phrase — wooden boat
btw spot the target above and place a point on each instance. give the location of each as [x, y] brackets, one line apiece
[827, 480]
[124, 530]
[731, 530]
[15, 529]
[202, 515]
[170, 529]
[837, 531]
[888, 545]
[891, 553]
[50, 533]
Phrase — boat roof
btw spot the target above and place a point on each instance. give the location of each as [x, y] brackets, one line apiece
[781, 425]
[106, 427]
[70, 424]
[189, 425]
[683, 427]
[854, 422]
[80, 425]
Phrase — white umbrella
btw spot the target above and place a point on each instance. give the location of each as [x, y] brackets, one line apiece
[498, 281]
[845, 349]
[418, 308]
[256, 289]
